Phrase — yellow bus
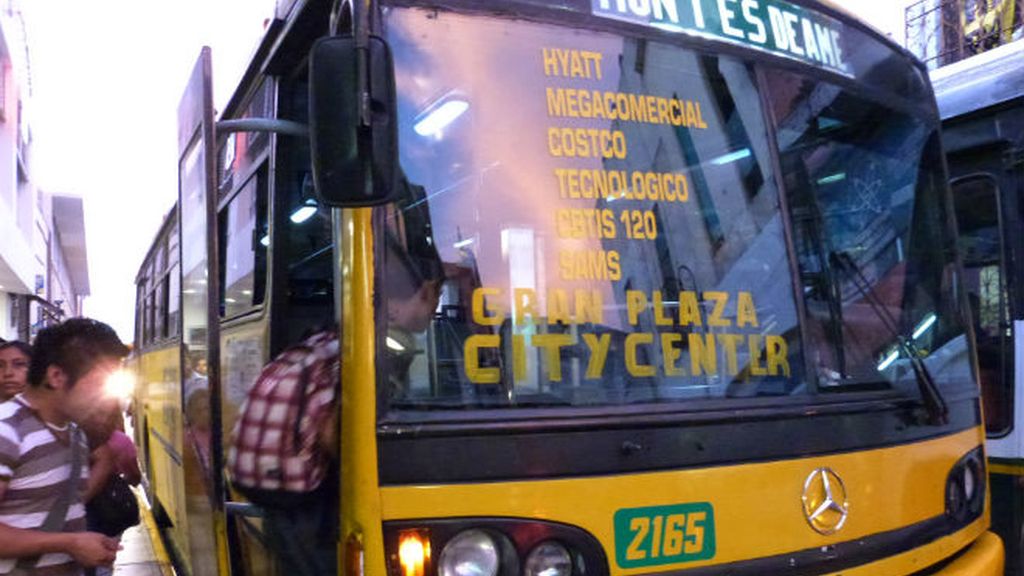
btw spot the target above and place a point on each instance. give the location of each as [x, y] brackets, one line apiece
[622, 287]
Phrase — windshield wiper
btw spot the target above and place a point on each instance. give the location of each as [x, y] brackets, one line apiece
[934, 403]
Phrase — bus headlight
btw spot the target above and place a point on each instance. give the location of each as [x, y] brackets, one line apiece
[470, 553]
[965, 487]
[549, 559]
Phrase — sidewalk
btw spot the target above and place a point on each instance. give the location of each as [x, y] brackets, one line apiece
[142, 552]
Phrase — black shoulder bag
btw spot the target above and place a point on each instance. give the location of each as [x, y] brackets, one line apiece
[114, 508]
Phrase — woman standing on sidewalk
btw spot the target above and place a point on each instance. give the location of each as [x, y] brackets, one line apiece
[14, 358]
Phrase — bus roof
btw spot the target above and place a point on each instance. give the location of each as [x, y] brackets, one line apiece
[990, 78]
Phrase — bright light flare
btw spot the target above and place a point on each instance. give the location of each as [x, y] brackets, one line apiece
[302, 214]
[413, 553]
[120, 384]
[394, 344]
[439, 118]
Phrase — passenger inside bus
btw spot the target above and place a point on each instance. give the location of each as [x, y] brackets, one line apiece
[301, 535]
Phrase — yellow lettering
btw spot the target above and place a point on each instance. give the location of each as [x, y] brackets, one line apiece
[689, 310]
[550, 62]
[636, 302]
[614, 268]
[670, 353]
[480, 308]
[778, 355]
[552, 345]
[746, 312]
[577, 65]
[556, 102]
[525, 304]
[730, 342]
[716, 317]
[558, 307]
[633, 365]
[474, 372]
[756, 368]
[589, 307]
[691, 114]
[703, 355]
[599, 346]
[660, 318]
[519, 357]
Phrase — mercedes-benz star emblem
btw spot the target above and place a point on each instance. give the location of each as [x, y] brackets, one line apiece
[825, 504]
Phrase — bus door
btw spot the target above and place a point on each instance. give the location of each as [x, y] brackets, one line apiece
[200, 362]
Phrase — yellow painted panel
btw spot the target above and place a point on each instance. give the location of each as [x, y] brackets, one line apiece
[983, 558]
[887, 489]
[159, 401]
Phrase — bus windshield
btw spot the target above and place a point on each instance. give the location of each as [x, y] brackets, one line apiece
[591, 219]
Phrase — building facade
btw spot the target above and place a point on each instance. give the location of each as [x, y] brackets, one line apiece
[43, 270]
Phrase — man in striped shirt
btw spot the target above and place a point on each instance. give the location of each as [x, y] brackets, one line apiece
[67, 375]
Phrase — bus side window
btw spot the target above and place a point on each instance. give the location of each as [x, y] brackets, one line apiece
[303, 229]
[981, 248]
[243, 245]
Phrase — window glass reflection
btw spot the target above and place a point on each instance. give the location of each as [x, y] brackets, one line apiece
[585, 220]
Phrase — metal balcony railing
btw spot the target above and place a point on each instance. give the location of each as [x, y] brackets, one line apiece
[942, 32]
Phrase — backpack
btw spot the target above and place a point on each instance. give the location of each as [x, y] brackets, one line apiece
[275, 457]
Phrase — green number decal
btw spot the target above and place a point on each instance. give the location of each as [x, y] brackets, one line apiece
[658, 535]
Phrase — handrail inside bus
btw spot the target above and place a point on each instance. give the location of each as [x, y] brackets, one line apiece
[285, 127]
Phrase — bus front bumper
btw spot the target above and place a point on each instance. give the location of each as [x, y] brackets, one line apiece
[984, 557]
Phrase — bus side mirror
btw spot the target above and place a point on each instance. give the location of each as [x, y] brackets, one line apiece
[353, 122]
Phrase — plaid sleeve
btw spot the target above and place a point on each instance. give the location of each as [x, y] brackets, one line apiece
[10, 450]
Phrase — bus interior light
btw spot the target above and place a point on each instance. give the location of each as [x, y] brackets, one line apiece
[888, 360]
[304, 212]
[923, 327]
[833, 178]
[731, 157]
[433, 121]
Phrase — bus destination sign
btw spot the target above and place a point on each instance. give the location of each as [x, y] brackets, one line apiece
[771, 25]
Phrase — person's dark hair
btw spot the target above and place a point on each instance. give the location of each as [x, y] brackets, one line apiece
[17, 345]
[75, 346]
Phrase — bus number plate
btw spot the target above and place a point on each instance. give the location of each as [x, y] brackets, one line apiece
[657, 535]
